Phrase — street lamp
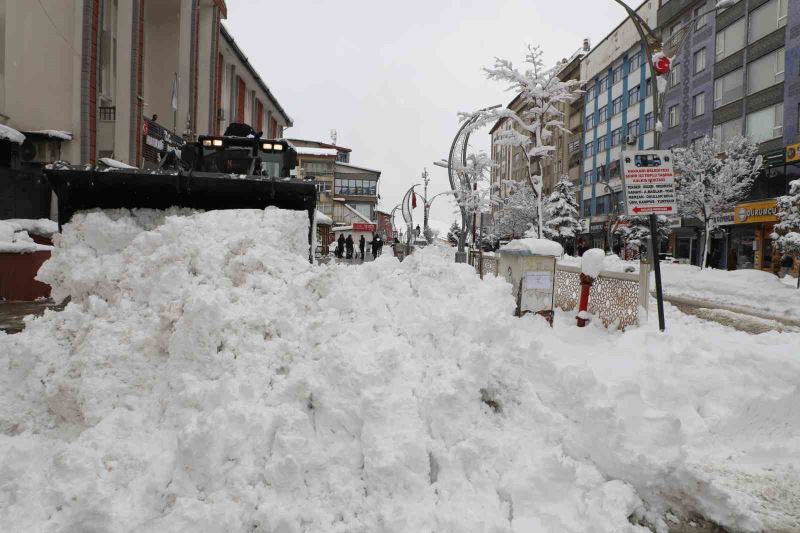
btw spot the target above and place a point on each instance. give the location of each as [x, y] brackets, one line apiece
[660, 66]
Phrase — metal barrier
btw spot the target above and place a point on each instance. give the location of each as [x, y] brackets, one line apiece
[616, 298]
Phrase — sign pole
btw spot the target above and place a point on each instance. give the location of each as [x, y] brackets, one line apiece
[654, 245]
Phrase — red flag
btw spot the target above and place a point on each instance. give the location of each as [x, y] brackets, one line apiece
[413, 200]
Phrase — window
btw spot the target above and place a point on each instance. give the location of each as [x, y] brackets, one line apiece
[633, 95]
[767, 18]
[721, 9]
[601, 173]
[766, 71]
[636, 61]
[590, 149]
[700, 60]
[730, 40]
[617, 74]
[674, 116]
[590, 93]
[616, 106]
[675, 28]
[587, 177]
[699, 104]
[603, 112]
[589, 122]
[616, 137]
[602, 143]
[765, 124]
[727, 130]
[633, 128]
[729, 88]
[675, 75]
[587, 206]
[648, 122]
[603, 84]
[648, 91]
[701, 20]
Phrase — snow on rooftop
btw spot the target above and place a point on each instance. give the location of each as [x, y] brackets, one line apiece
[10, 134]
[327, 152]
[42, 226]
[322, 218]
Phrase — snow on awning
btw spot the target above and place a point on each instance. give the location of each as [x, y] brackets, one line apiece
[10, 134]
[53, 134]
[322, 218]
[113, 163]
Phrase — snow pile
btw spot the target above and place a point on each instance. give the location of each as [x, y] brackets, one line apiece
[593, 262]
[761, 291]
[14, 240]
[10, 134]
[113, 163]
[534, 246]
[612, 263]
[206, 378]
[44, 227]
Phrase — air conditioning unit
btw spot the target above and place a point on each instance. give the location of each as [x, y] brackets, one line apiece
[631, 139]
[39, 151]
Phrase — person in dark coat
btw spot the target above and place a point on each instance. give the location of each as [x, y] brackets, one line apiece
[787, 263]
[362, 245]
[733, 259]
[348, 244]
[340, 246]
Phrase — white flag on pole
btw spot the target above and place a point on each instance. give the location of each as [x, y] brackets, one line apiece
[175, 93]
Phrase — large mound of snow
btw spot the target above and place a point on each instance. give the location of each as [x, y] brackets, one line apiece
[205, 377]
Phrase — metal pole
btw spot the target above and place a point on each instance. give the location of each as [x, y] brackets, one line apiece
[648, 45]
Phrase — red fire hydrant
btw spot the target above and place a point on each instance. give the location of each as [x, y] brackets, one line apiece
[586, 287]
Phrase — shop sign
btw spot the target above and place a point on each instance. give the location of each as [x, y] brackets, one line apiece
[793, 153]
[722, 220]
[754, 212]
[158, 144]
[585, 225]
[675, 222]
[594, 228]
[364, 227]
[649, 183]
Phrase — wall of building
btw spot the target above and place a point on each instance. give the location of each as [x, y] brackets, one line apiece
[44, 91]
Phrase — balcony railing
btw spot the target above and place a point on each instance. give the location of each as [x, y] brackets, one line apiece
[108, 114]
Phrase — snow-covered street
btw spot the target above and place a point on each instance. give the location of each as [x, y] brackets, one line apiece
[205, 377]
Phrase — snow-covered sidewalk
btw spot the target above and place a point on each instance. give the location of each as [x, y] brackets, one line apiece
[206, 378]
[759, 291]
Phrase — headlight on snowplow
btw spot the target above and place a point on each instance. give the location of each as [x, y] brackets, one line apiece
[278, 147]
[266, 146]
[217, 142]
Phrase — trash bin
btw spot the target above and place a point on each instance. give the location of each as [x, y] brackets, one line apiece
[529, 265]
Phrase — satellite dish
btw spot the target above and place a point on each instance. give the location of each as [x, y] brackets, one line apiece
[27, 151]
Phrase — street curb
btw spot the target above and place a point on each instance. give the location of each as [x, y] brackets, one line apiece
[749, 311]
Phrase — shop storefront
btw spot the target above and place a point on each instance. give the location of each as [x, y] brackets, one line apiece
[750, 242]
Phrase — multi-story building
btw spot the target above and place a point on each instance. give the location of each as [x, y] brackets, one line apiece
[568, 144]
[355, 194]
[510, 164]
[317, 159]
[125, 80]
[735, 76]
[618, 116]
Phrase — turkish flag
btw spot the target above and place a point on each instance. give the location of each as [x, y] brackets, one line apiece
[413, 200]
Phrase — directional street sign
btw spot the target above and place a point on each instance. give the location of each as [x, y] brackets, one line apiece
[649, 183]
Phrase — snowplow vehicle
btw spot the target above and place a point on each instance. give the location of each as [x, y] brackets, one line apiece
[238, 170]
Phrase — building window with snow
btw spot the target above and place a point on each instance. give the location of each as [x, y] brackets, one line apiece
[699, 104]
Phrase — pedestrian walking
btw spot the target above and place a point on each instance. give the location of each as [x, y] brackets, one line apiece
[787, 263]
[362, 244]
[340, 246]
[348, 244]
[733, 259]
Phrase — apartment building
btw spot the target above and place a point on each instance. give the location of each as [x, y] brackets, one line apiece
[618, 116]
[737, 75]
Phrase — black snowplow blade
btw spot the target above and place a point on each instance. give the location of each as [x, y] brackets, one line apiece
[80, 188]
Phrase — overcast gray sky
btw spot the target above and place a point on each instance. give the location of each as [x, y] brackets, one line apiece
[391, 77]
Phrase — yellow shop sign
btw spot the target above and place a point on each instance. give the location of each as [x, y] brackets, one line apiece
[754, 212]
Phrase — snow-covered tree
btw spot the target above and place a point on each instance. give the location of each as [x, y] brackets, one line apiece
[787, 231]
[561, 210]
[634, 232]
[478, 198]
[519, 212]
[712, 177]
[540, 92]
[454, 233]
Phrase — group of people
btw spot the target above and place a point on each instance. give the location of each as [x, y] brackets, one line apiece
[345, 247]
